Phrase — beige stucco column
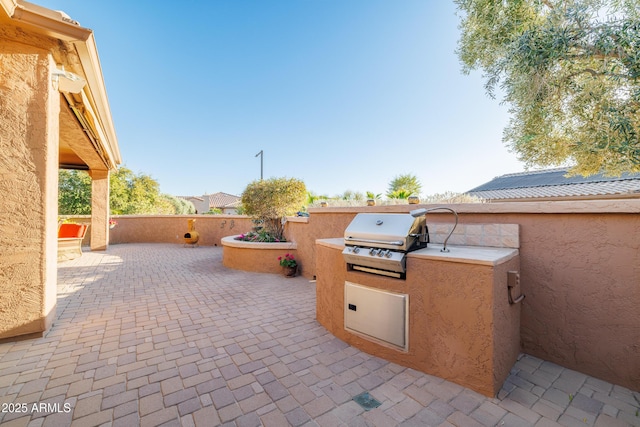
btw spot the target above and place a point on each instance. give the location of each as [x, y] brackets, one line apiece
[99, 209]
[29, 140]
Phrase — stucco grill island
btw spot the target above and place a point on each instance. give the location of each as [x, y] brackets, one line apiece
[394, 290]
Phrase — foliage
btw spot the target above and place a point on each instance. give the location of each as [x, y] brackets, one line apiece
[351, 195]
[403, 186]
[314, 199]
[272, 200]
[135, 194]
[400, 198]
[214, 211]
[570, 77]
[287, 260]
[129, 193]
[451, 197]
[399, 194]
[179, 205]
[373, 196]
[260, 235]
[74, 192]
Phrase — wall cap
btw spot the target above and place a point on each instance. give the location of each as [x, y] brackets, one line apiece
[613, 206]
[233, 243]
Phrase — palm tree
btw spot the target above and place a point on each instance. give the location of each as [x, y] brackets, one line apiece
[399, 194]
[407, 183]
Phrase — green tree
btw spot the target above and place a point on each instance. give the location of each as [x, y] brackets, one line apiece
[405, 185]
[134, 194]
[74, 192]
[271, 200]
[179, 206]
[399, 194]
[570, 73]
[129, 193]
[374, 196]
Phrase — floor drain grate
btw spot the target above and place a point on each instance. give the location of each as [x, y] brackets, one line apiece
[366, 401]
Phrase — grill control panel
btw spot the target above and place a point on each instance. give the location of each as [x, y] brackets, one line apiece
[377, 258]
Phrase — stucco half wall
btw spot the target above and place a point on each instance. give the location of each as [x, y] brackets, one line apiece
[255, 256]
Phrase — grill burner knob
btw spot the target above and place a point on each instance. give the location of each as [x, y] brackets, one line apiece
[381, 253]
[372, 251]
[356, 250]
[388, 254]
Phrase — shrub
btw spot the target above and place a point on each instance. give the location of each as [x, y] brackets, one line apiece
[271, 200]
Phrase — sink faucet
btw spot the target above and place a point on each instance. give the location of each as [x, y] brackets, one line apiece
[419, 212]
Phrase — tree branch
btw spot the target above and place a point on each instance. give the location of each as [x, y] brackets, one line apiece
[595, 73]
[548, 4]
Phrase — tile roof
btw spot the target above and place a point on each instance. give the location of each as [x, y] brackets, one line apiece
[554, 183]
[223, 200]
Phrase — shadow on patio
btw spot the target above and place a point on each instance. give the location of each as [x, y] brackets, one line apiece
[158, 334]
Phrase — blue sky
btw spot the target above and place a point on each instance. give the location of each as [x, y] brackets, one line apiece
[342, 94]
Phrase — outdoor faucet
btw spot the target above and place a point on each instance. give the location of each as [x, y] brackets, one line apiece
[419, 212]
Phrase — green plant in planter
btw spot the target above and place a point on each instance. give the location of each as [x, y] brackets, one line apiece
[259, 236]
[271, 200]
[287, 260]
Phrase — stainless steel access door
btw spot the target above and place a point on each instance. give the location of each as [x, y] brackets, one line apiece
[378, 314]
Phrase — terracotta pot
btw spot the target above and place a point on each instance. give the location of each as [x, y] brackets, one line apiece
[290, 271]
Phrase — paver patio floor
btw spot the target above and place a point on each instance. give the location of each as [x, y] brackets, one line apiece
[157, 334]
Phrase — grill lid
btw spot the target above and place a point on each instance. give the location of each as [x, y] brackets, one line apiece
[379, 230]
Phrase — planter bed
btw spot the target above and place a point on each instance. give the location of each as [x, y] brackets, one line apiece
[258, 257]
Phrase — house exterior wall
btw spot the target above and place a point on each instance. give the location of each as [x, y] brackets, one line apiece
[29, 110]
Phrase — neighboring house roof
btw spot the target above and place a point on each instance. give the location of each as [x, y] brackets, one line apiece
[190, 198]
[223, 200]
[554, 184]
[217, 200]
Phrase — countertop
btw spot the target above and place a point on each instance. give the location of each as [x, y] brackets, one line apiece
[483, 255]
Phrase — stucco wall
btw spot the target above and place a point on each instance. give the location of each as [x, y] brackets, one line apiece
[171, 228]
[29, 109]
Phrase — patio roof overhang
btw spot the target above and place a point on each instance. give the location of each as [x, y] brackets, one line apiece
[87, 135]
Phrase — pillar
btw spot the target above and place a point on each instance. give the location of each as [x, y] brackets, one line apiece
[99, 209]
[29, 139]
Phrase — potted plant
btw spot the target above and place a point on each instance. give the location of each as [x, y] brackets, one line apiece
[289, 265]
[112, 223]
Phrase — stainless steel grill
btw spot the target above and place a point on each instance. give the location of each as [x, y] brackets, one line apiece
[379, 242]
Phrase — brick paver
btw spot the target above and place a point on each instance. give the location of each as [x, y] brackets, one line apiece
[164, 335]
